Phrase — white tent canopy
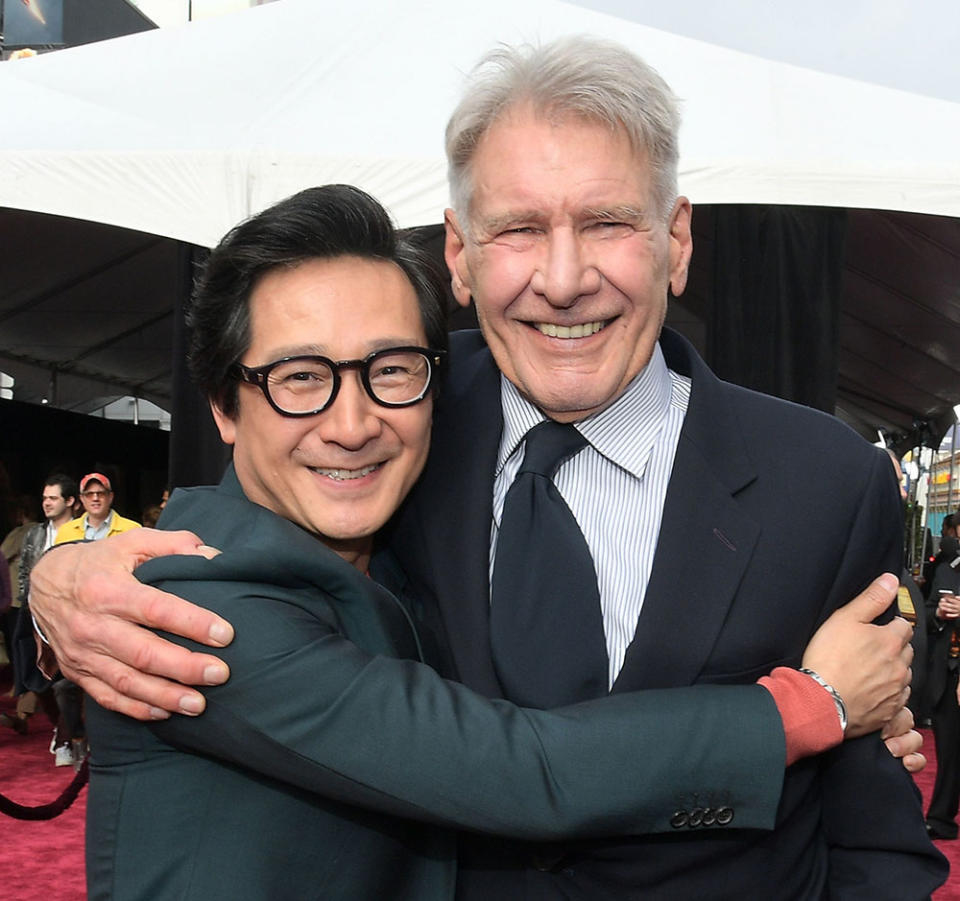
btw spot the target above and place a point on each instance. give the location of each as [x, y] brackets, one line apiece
[182, 132]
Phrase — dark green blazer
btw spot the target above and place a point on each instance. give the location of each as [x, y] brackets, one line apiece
[328, 768]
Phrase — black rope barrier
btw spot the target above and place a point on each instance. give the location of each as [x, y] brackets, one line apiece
[54, 808]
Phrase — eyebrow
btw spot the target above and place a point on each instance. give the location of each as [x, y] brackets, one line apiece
[314, 350]
[616, 213]
[513, 217]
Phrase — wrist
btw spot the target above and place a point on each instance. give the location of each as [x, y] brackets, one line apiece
[809, 717]
[834, 695]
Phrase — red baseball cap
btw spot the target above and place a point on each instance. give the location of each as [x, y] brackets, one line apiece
[95, 477]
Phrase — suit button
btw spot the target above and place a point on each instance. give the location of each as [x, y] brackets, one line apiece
[679, 819]
[709, 817]
[696, 816]
[724, 815]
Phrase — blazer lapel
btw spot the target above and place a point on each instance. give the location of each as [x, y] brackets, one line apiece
[457, 511]
[705, 541]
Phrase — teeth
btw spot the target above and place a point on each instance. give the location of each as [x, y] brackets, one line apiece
[344, 475]
[584, 330]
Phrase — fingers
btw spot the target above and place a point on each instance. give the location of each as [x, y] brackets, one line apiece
[142, 544]
[160, 610]
[914, 763]
[105, 696]
[132, 646]
[906, 744]
[93, 611]
[119, 671]
[901, 724]
[873, 600]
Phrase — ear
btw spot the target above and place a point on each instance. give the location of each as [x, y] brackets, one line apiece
[454, 252]
[225, 424]
[681, 245]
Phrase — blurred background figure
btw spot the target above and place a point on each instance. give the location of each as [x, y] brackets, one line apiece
[58, 499]
[943, 611]
[21, 510]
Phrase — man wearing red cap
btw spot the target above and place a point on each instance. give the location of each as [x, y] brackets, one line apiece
[99, 519]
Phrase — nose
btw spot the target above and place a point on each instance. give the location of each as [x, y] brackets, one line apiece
[352, 419]
[565, 271]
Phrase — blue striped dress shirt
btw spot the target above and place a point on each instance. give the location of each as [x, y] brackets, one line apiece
[616, 486]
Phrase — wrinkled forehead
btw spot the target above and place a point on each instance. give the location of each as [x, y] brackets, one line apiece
[557, 115]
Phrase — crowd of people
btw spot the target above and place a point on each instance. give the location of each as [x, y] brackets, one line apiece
[541, 611]
[70, 512]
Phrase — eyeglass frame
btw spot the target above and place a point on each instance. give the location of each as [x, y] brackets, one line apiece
[257, 376]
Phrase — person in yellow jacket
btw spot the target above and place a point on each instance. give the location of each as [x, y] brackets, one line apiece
[99, 520]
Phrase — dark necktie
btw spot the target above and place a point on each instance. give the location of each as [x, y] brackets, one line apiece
[546, 628]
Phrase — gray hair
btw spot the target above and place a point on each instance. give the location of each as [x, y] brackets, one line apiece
[595, 79]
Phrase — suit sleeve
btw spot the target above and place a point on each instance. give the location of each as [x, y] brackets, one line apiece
[308, 707]
[872, 814]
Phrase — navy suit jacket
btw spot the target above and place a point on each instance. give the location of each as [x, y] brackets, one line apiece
[775, 515]
[294, 782]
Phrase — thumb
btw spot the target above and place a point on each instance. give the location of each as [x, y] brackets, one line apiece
[874, 599]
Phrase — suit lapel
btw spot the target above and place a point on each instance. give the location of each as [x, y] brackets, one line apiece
[705, 541]
[456, 517]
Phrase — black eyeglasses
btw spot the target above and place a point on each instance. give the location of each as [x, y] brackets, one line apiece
[308, 384]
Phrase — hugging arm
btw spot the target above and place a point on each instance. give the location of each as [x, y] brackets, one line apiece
[872, 816]
[94, 612]
[308, 707]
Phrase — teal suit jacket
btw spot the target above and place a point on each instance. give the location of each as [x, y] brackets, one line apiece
[302, 777]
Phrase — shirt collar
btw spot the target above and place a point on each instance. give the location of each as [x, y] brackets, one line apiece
[625, 432]
[104, 525]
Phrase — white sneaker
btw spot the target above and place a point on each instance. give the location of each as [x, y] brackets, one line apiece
[64, 756]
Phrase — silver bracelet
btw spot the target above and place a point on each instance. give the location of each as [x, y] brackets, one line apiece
[837, 700]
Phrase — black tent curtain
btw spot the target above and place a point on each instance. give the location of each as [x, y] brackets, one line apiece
[774, 321]
[197, 455]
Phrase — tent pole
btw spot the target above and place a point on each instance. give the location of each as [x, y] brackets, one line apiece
[953, 461]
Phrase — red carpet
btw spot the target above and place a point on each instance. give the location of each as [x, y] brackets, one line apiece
[43, 861]
[950, 891]
[39, 860]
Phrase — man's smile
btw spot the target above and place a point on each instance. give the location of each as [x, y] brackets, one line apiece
[583, 330]
[344, 475]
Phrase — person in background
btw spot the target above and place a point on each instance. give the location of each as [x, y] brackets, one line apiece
[948, 530]
[11, 547]
[910, 603]
[57, 500]
[150, 516]
[99, 520]
[943, 619]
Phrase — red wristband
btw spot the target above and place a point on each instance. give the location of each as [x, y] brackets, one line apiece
[810, 721]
